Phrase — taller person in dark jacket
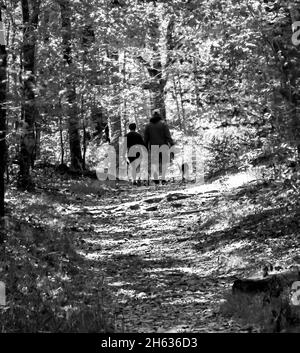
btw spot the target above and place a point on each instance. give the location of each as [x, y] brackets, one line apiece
[157, 133]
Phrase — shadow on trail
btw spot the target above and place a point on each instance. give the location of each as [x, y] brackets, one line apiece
[152, 293]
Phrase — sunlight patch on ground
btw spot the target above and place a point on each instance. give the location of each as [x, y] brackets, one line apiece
[184, 300]
[126, 292]
[188, 270]
[233, 262]
[118, 284]
[92, 256]
[220, 226]
[201, 188]
[165, 270]
[95, 242]
[237, 245]
[160, 225]
[102, 243]
[112, 230]
[240, 179]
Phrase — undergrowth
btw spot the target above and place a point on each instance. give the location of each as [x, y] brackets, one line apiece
[50, 288]
[267, 313]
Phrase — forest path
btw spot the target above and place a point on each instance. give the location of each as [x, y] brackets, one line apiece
[149, 243]
[168, 254]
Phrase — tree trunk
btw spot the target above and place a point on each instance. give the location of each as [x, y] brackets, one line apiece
[294, 12]
[72, 113]
[3, 149]
[84, 133]
[124, 86]
[287, 57]
[198, 101]
[115, 119]
[176, 100]
[62, 146]
[156, 86]
[157, 69]
[29, 109]
[84, 147]
[37, 141]
[181, 101]
[61, 133]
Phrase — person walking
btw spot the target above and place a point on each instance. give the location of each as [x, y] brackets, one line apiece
[157, 133]
[133, 139]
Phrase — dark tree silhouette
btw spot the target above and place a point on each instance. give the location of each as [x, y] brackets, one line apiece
[3, 149]
[29, 109]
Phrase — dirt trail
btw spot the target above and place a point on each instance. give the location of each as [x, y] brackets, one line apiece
[146, 242]
[168, 254]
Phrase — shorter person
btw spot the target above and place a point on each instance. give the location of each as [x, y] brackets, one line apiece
[133, 139]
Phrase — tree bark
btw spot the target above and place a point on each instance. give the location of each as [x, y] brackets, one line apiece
[176, 100]
[84, 133]
[157, 70]
[294, 75]
[197, 97]
[181, 101]
[29, 109]
[72, 111]
[156, 86]
[37, 154]
[287, 58]
[114, 120]
[3, 148]
[61, 138]
[124, 86]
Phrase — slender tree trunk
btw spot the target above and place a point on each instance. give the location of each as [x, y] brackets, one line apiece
[181, 101]
[62, 147]
[136, 120]
[84, 132]
[176, 100]
[124, 112]
[3, 148]
[294, 12]
[114, 120]
[198, 101]
[84, 146]
[149, 104]
[73, 116]
[88, 37]
[29, 109]
[157, 69]
[37, 140]
[156, 86]
[61, 134]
